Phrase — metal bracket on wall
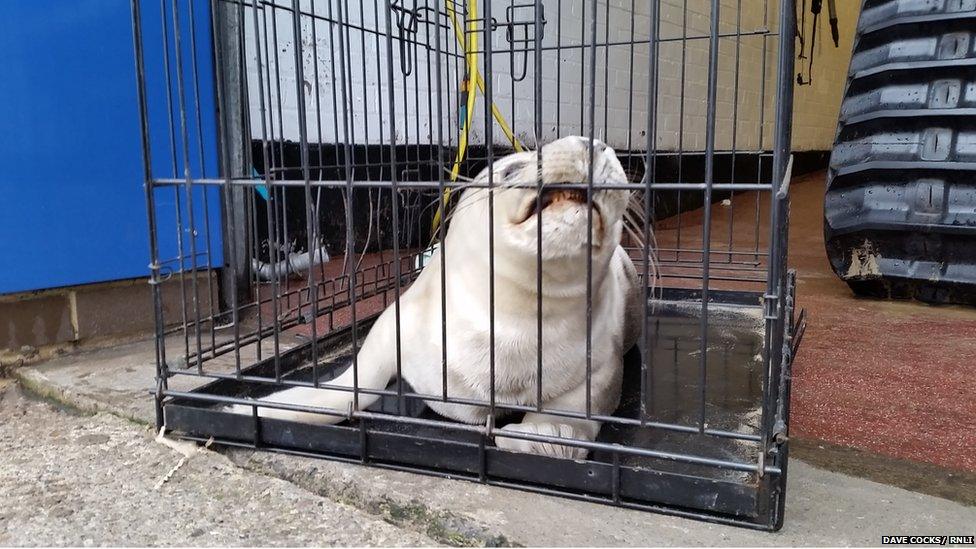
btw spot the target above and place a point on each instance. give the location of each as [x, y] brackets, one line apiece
[520, 39]
[407, 21]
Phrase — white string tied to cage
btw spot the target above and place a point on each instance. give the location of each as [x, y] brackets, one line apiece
[187, 449]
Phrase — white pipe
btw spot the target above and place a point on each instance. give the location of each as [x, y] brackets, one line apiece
[293, 264]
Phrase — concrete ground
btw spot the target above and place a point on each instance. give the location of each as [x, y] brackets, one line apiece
[67, 488]
[81, 480]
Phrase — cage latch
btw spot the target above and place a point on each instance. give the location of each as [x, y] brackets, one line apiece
[154, 269]
[779, 431]
[158, 273]
[770, 306]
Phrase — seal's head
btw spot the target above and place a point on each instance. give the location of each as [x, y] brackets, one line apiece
[561, 207]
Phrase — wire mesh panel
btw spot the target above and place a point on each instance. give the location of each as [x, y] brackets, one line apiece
[532, 243]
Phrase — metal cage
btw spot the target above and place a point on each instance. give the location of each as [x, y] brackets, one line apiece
[297, 153]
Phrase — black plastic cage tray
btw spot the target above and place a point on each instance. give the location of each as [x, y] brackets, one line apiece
[684, 472]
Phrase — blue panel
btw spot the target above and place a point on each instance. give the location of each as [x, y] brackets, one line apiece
[181, 122]
[72, 204]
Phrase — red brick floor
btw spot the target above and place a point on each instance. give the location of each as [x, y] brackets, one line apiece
[897, 378]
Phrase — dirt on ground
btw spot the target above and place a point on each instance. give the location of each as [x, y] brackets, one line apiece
[71, 479]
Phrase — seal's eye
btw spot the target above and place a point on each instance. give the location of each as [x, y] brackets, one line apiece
[512, 169]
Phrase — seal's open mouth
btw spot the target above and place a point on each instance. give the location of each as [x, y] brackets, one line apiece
[555, 196]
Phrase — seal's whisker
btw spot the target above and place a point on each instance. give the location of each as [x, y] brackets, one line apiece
[458, 176]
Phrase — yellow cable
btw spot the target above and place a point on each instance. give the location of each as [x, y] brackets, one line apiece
[495, 111]
[471, 58]
[470, 46]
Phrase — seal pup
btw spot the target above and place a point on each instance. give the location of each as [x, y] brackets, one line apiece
[615, 312]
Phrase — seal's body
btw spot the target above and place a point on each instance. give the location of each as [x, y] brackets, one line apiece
[615, 310]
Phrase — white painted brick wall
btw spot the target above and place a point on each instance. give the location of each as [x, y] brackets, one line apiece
[621, 93]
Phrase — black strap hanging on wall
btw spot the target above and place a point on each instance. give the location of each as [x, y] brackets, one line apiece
[834, 32]
[816, 6]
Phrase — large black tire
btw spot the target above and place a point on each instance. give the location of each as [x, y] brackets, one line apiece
[900, 207]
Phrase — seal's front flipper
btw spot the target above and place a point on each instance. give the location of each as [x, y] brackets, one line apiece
[375, 368]
[549, 426]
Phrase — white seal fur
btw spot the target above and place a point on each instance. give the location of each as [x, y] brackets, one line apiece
[615, 306]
